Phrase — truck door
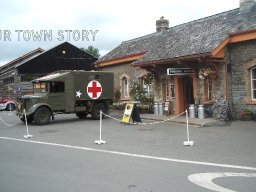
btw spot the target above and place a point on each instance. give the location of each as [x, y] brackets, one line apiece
[70, 99]
[56, 96]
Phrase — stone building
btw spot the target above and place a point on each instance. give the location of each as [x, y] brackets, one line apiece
[16, 76]
[212, 57]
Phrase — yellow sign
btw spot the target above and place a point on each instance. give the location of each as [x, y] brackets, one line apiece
[127, 112]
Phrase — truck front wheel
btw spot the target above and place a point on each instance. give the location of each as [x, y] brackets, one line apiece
[42, 116]
[29, 119]
[97, 107]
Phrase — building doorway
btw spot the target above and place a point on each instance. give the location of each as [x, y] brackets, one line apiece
[185, 94]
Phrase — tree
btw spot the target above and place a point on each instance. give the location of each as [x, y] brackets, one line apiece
[92, 51]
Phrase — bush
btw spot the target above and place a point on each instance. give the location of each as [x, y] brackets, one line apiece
[246, 112]
[145, 108]
[117, 94]
[138, 94]
[119, 106]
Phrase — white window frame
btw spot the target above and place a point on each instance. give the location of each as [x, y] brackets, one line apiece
[147, 88]
[167, 90]
[209, 88]
[125, 86]
[253, 81]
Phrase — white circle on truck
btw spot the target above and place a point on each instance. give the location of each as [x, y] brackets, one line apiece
[94, 89]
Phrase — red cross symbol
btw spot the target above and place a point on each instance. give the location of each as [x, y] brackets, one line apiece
[94, 89]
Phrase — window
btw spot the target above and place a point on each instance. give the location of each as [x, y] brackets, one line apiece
[253, 83]
[167, 90]
[56, 87]
[147, 87]
[40, 88]
[209, 88]
[125, 87]
[172, 90]
[8, 81]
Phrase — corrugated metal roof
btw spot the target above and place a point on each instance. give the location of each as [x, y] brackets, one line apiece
[51, 77]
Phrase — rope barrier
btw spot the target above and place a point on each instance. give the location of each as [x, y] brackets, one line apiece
[10, 125]
[153, 123]
[185, 143]
[7, 124]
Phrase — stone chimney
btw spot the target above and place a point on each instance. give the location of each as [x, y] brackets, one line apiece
[162, 24]
[247, 4]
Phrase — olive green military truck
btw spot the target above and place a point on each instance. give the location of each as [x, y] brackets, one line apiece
[79, 92]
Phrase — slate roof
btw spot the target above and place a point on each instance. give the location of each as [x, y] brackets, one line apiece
[192, 38]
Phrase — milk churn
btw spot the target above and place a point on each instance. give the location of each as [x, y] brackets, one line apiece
[156, 109]
[192, 111]
[201, 112]
[160, 109]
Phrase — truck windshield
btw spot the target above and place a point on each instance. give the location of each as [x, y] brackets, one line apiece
[40, 88]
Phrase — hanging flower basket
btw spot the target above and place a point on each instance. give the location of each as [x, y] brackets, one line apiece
[207, 72]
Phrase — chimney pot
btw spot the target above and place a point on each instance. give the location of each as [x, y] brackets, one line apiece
[162, 24]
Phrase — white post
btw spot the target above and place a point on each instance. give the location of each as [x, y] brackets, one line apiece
[100, 123]
[188, 143]
[26, 121]
[10, 109]
[100, 141]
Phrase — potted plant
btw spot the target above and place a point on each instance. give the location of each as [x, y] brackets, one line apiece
[207, 72]
[246, 114]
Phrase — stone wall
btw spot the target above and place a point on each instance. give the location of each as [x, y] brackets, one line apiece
[241, 58]
[132, 73]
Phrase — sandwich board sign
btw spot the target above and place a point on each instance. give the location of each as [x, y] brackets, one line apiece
[131, 111]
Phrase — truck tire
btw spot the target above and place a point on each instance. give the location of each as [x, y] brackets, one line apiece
[29, 119]
[81, 115]
[97, 107]
[42, 116]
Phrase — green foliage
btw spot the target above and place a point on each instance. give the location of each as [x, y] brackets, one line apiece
[138, 94]
[119, 106]
[149, 78]
[92, 51]
[117, 94]
[246, 112]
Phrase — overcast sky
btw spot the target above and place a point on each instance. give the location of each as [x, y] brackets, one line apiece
[101, 23]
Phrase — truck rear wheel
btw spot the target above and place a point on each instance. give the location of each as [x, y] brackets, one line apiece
[81, 115]
[42, 116]
[97, 107]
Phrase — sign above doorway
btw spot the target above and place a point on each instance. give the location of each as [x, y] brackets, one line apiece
[179, 71]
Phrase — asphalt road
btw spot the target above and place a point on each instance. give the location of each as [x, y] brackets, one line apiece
[62, 156]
